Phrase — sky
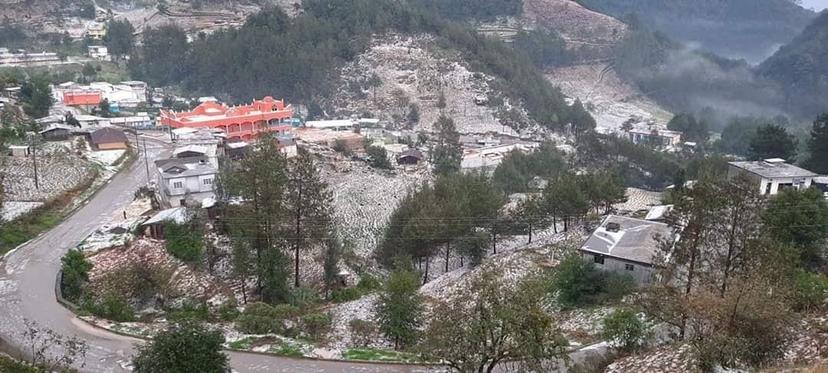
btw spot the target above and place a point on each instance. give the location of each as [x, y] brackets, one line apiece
[815, 4]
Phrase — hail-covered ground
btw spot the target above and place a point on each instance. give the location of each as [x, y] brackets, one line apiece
[61, 166]
[416, 70]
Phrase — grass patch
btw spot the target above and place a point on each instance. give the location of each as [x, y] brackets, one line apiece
[287, 349]
[242, 344]
[374, 354]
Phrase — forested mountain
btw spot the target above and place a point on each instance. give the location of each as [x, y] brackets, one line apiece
[801, 68]
[749, 29]
[297, 57]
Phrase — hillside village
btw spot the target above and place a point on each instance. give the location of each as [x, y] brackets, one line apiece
[397, 186]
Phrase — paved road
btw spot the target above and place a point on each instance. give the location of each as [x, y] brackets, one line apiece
[27, 290]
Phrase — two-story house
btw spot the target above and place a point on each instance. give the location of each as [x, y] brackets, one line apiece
[185, 181]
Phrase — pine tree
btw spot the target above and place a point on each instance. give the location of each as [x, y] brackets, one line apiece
[773, 141]
[818, 146]
[261, 182]
[447, 153]
[309, 203]
[400, 307]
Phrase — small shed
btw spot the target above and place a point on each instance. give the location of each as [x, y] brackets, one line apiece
[154, 227]
[108, 138]
[410, 156]
[237, 150]
[20, 151]
[190, 151]
[56, 132]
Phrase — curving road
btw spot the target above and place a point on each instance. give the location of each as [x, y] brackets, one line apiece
[27, 291]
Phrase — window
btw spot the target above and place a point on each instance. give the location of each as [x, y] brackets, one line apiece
[598, 259]
[629, 267]
[178, 185]
[208, 181]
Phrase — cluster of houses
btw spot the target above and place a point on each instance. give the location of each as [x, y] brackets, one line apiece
[629, 245]
[125, 95]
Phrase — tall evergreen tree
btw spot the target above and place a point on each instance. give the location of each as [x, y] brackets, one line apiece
[400, 307]
[309, 203]
[773, 141]
[261, 182]
[447, 153]
[818, 146]
[36, 96]
[120, 37]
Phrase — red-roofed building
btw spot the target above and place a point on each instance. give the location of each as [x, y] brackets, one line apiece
[242, 122]
[80, 98]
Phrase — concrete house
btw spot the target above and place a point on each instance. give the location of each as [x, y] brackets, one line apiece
[108, 138]
[56, 132]
[772, 175]
[183, 181]
[625, 245]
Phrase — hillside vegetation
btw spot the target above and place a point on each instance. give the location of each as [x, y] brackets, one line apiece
[748, 29]
[296, 57]
[801, 68]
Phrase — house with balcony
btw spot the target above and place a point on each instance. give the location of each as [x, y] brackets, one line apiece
[772, 175]
[185, 181]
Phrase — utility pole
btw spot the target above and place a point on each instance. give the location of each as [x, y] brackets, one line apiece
[146, 160]
[33, 147]
[297, 243]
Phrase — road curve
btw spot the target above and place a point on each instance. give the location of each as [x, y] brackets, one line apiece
[27, 291]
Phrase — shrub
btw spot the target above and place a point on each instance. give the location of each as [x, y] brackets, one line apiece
[579, 284]
[379, 157]
[252, 324]
[368, 283]
[111, 307]
[316, 325]
[304, 298]
[9, 365]
[228, 311]
[809, 290]
[75, 273]
[345, 295]
[189, 311]
[183, 243]
[625, 329]
[261, 318]
[362, 332]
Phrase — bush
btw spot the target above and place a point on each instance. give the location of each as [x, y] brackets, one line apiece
[316, 325]
[345, 295]
[625, 329]
[809, 290]
[580, 284]
[228, 311]
[111, 307]
[189, 311]
[304, 298]
[378, 157]
[75, 270]
[261, 318]
[362, 332]
[368, 283]
[183, 243]
[9, 365]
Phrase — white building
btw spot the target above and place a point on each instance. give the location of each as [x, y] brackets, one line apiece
[626, 245]
[24, 58]
[136, 121]
[772, 175]
[654, 136]
[488, 158]
[185, 181]
[98, 52]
